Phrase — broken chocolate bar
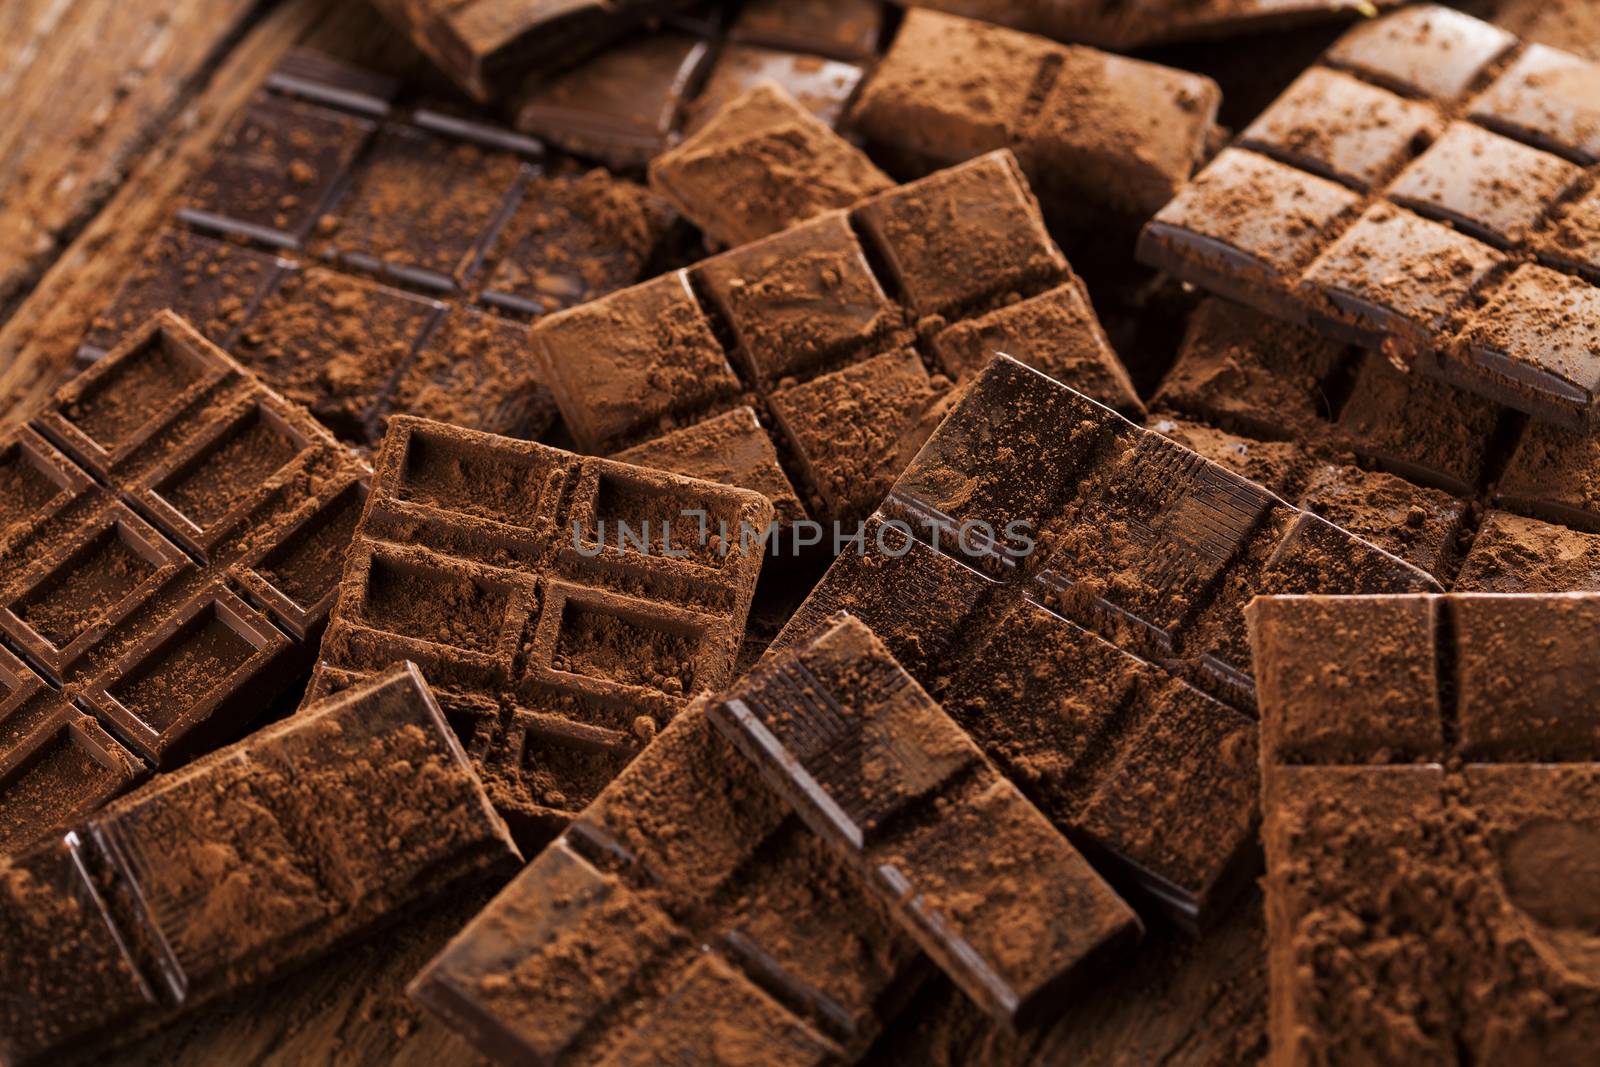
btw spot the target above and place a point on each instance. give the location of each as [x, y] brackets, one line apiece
[1404, 194]
[488, 46]
[976, 875]
[1430, 779]
[239, 867]
[816, 325]
[762, 165]
[949, 89]
[564, 608]
[1138, 25]
[684, 913]
[1042, 552]
[400, 252]
[171, 535]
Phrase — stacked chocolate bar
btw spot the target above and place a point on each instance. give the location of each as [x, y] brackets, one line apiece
[989, 774]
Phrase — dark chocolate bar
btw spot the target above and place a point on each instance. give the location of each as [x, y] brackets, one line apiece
[1042, 551]
[967, 866]
[950, 88]
[237, 868]
[818, 326]
[1154, 22]
[1430, 780]
[172, 535]
[565, 608]
[761, 165]
[379, 258]
[684, 917]
[1405, 194]
[488, 46]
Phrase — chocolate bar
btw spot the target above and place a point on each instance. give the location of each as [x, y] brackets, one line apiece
[565, 608]
[684, 917]
[968, 867]
[808, 334]
[1429, 778]
[1129, 26]
[761, 165]
[641, 96]
[1041, 549]
[950, 88]
[488, 46]
[1422, 227]
[172, 535]
[378, 258]
[239, 867]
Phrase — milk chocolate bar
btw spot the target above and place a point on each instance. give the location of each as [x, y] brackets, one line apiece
[684, 913]
[950, 88]
[565, 608]
[172, 535]
[1129, 26]
[379, 257]
[963, 862]
[1435, 230]
[811, 335]
[1430, 778]
[488, 46]
[1042, 550]
[640, 97]
[239, 867]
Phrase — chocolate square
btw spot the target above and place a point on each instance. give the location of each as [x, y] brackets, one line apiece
[845, 29]
[1554, 474]
[1540, 332]
[1416, 524]
[1422, 429]
[473, 371]
[1396, 273]
[273, 174]
[1340, 127]
[1550, 98]
[799, 299]
[421, 207]
[732, 448]
[823, 87]
[1572, 235]
[1512, 554]
[963, 236]
[632, 362]
[1485, 184]
[1428, 50]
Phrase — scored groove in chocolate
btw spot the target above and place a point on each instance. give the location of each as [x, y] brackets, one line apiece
[1464, 851]
[557, 640]
[378, 257]
[1427, 235]
[684, 911]
[963, 862]
[157, 577]
[1127, 577]
[838, 329]
[236, 869]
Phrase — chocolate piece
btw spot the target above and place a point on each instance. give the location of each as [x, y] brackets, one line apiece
[462, 213]
[1458, 187]
[762, 165]
[1246, 372]
[817, 336]
[232, 871]
[823, 88]
[487, 46]
[950, 88]
[1276, 465]
[1429, 775]
[1423, 430]
[565, 607]
[1417, 524]
[1554, 475]
[844, 29]
[1038, 528]
[1512, 554]
[620, 107]
[169, 555]
[683, 914]
[1163, 21]
[964, 863]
